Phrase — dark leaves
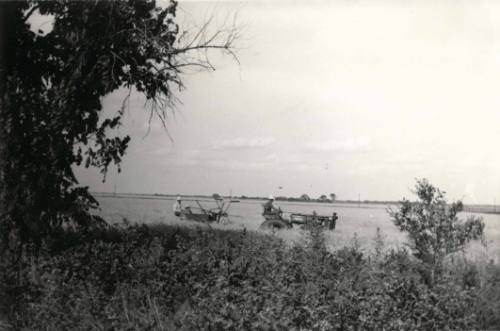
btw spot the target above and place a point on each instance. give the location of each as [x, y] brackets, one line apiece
[55, 83]
[433, 226]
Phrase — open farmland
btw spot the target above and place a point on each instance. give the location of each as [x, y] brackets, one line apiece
[354, 221]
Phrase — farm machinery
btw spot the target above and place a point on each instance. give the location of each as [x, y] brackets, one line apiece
[276, 221]
[217, 214]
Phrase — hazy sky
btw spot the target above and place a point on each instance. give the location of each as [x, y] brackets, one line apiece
[351, 97]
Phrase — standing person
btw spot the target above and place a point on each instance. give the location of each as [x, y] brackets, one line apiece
[333, 223]
[178, 207]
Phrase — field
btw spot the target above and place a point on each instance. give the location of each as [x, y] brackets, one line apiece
[178, 275]
[354, 221]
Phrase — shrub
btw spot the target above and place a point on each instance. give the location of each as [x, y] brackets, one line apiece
[164, 277]
[433, 227]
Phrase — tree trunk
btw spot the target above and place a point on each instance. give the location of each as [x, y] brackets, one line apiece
[7, 52]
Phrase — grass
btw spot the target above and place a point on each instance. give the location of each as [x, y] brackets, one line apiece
[360, 221]
[164, 277]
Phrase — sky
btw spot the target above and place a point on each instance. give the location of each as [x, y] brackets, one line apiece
[356, 98]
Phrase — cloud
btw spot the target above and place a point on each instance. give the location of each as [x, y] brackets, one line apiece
[212, 161]
[222, 159]
[348, 145]
[243, 143]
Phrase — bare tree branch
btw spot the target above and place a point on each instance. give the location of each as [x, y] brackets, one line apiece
[30, 12]
[192, 51]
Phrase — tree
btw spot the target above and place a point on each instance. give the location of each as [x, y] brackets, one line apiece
[323, 198]
[432, 225]
[305, 197]
[53, 85]
[333, 197]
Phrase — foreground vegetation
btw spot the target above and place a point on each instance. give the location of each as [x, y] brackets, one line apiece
[164, 277]
[62, 268]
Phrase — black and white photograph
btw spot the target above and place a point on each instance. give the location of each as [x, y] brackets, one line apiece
[249, 165]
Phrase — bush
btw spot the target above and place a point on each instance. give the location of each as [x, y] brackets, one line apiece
[433, 227]
[169, 278]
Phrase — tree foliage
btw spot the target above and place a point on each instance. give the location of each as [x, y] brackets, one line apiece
[51, 98]
[433, 226]
[305, 197]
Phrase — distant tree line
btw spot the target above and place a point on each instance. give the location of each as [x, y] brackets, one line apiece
[306, 198]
